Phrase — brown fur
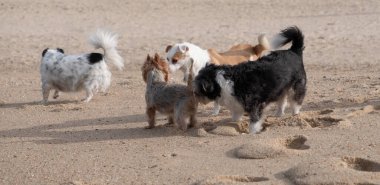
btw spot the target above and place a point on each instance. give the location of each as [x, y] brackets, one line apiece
[155, 62]
[239, 53]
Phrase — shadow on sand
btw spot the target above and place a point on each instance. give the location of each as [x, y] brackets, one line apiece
[91, 130]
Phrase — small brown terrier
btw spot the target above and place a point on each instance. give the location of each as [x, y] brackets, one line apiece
[174, 100]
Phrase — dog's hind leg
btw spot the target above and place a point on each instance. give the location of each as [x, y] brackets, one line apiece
[89, 95]
[56, 94]
[151, 112]
[45, 92]
[299, 95]
[281, 105]
[180, 118]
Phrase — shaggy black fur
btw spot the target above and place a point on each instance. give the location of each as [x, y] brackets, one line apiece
[258, 83]
[94, 57]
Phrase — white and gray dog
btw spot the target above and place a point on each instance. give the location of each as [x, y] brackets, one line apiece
[251, 86]
[72, 73]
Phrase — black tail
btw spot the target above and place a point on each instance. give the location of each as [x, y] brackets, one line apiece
[293, 34]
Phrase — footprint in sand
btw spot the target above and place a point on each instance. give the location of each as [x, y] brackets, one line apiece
[311, 119]
[271, 149]
[296, 142]
[361, 164]
[348, 170]
[227, 128]
[258, 151]
[363, 111]
[230, 179]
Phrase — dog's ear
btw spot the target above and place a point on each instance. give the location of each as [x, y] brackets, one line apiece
[60, 50]
[44, 52]
[183, 48]
[148, 57]
[168, 48]
[156, 57]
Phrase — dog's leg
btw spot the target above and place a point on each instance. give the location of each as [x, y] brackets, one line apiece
[56, 94]
[216, 109]
[299, 95]
[89, 95]
[171, 120]
[256, 119]
[193, 121]
[236, 115]
[281, 103]
[151, 112]
[45, 93]
[180, 118]
[296, 107]
[181, 121]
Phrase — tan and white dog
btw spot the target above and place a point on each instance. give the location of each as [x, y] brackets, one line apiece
[181, 55]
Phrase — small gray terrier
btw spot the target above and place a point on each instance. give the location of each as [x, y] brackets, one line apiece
[176, 101]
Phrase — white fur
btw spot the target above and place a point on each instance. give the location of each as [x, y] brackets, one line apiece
[71, 73]
[281, 103]
[107, 41]
[226, 98]
[256, 127]
[200, 57]
[277, 41]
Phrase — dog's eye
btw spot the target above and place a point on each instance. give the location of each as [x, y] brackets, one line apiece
[174, 61]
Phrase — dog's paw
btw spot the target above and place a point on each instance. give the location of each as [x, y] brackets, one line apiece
[279, 114]
[214, 113]
[256, 128]
[85, 100]
[149, 127]
[44, 102]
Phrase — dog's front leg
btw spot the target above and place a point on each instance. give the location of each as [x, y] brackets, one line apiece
[151, 112]
[186, 76]
[56, 94]
[171, 120]
[216, 109]
[193, 121]
[256, 121]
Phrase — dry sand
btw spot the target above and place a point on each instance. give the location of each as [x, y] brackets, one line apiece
[335, 140]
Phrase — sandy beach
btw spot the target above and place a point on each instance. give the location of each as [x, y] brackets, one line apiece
[334, 140]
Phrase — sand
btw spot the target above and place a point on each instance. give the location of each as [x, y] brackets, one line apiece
[335, 139]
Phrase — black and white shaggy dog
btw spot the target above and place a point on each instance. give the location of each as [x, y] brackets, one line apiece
[250, 87]
[71, 73]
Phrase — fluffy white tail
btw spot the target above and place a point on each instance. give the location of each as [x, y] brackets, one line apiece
[108, 42]
[264, 41]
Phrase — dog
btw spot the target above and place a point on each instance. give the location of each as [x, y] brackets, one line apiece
[180, 55]
[249, 87]
[176, 101]
[72, 73]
